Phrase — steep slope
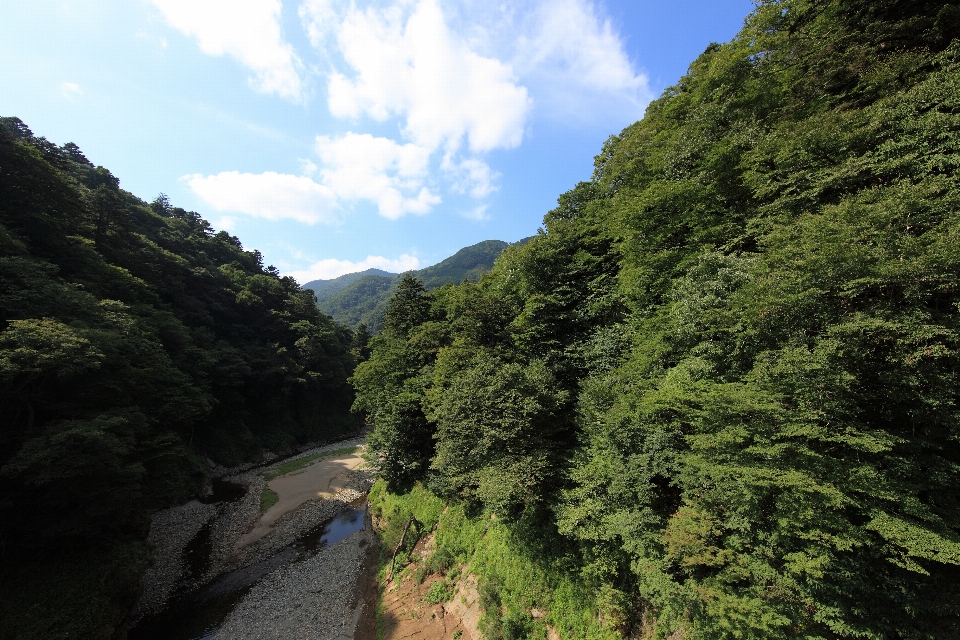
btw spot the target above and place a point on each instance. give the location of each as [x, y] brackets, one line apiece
[719, 393]
[134, 342]
[363, 299]
[467, 264]
[358, 302]
[324, 288]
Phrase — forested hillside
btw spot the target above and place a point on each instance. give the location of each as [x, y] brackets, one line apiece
[324, 288]
[717, 395]
[362, 298]
[134, 342]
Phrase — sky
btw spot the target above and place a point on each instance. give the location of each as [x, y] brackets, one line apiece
[335, 136]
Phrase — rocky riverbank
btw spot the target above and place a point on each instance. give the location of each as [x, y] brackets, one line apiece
[170, 532]
[214, 530]
[300, 521]
[317, 598]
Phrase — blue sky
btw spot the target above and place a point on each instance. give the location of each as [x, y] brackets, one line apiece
[334, 136]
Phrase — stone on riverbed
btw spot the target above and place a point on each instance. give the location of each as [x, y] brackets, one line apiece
[311, 599]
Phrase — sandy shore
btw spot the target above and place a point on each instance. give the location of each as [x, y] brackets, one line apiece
[173, 529]
[322, 479]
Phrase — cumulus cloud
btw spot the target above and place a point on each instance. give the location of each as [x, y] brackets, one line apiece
[460, 78]
[564, 54]
[246, 30]
[331, 268]
[266, 195]
[355, 167]
[364, 167]
[319, 18]
[409, 64]
[225, 223]
[574, 57]
[471, 176]
[308, 167]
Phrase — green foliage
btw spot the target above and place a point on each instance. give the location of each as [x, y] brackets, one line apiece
[268, 498]
[362, 301]
[441, 561]
[363, 297]
[323, 289]
[513, 577]
[439, 592]
[389, 387]
[495, 432]
[466, 265]
[722, 380]
[134, 342]
[408, 307]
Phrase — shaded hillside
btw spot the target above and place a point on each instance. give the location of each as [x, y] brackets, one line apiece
[358, 302]
[718, 396]
[467, 264]
[134, 342]
[324, 288]
[363, 299]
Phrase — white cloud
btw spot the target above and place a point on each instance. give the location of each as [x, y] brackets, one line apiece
[225, 223]
[574, 58]
[70, 90]
[406, 62]
[247, 30]
[267, 195]
[458, 77]
[308, 167]
[478, 214]
[355, 167]
[332, 268]
[434, 67]
[319, 19]
[471, 176]
[363, 167]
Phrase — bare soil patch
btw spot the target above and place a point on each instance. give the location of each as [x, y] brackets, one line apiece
[405, 612]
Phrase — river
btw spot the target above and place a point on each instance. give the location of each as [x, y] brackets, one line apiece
[199, 606]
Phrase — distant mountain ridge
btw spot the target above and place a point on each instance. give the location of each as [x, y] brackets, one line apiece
[362, 297]
[324, 288]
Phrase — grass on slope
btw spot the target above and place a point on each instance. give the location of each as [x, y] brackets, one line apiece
[512, 579]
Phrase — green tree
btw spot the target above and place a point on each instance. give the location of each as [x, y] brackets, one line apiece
[408, 307]
[390, 385]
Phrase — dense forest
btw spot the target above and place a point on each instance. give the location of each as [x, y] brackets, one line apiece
[719, 389]
[134, 343]
[362, 298]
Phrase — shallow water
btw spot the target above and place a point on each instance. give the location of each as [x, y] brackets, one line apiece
[198, 615]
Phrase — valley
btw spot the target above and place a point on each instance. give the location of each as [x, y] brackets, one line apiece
[717, 395]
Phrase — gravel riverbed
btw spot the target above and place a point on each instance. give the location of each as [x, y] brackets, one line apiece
[301, 520]
[172, 530]
[314, 599]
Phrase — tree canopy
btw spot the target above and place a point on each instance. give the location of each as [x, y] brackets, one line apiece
[134, 343]
[725, 372]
